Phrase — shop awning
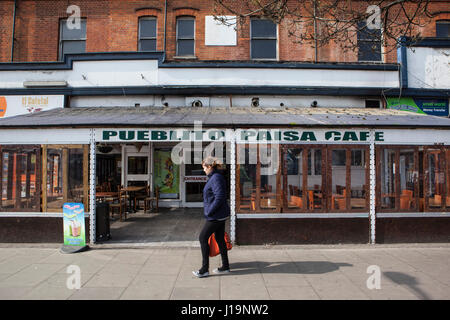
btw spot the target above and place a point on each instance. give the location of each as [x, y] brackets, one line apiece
[222, 117]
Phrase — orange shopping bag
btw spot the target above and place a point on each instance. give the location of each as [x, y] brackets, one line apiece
[214, 247]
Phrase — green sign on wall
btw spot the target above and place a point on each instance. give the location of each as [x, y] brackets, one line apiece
[434, 107]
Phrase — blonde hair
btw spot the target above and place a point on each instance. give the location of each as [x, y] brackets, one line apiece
[212, 162]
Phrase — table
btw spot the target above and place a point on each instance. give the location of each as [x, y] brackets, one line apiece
[131, 192]
[103, 195]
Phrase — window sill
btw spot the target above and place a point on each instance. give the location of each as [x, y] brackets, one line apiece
[264, 59]
[185, 57]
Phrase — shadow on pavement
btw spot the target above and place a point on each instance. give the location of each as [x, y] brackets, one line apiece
[303, 267]
[406, 280]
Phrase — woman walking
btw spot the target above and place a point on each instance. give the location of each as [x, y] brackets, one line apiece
[216, 211]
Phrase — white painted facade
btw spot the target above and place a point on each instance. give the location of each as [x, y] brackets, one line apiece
[428, 68]
[266, 101]
[125, 73]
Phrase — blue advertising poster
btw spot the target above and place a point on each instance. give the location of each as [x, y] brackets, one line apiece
[73, 221]
[433, 107]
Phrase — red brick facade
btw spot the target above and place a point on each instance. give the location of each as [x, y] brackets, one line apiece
[112, 25]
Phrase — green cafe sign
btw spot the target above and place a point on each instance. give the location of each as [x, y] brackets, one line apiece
[241, 135]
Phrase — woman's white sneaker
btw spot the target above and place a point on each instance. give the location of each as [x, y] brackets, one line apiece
[200, 275]
[220, 270]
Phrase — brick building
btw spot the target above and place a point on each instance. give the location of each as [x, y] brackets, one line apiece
[105, 88]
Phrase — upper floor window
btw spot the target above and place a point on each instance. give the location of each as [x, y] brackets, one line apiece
[369, 43]
[263, 35]
[147, 34]
[443, 29]
[185, 36]
[72, 38]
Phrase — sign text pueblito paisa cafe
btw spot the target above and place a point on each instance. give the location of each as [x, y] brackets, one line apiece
[247, 135]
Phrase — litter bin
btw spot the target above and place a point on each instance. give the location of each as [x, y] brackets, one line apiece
[102, 221]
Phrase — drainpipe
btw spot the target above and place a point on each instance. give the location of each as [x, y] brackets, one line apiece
[13, 30]
[315, 34]
[165, 22]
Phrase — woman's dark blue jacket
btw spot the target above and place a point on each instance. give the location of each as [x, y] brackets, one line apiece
[215, 197]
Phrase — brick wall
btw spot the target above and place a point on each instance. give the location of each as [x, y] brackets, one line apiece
[112, 25]
[6, 21]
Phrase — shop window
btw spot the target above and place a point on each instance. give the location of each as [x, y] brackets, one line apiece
[269, 178]
[293, 180]
[340, 159]
[315, 193]
[258, 176]
[435, 180]
[71, 39]
[20, 178]
[372, 104]
[388, 183]
[307, 180]
[447, 178]
[400, 179]
[408, 180]
[137, 165]
[348, 175]
[185, 36]
[359, 179]
[443, 28]
[263, 39]
[66, 176]
[369, 43]
[147, 34]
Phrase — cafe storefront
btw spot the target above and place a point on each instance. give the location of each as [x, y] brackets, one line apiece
[328, 176]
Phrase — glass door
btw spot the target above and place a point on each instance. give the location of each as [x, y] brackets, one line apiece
[194, 180]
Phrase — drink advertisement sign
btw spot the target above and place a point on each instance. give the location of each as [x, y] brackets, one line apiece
[73, 221]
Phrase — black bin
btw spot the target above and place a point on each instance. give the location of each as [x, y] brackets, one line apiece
[102, 221]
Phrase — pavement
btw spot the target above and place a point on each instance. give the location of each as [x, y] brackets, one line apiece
[161, 272]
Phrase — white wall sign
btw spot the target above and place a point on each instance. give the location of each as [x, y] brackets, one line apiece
[17, 105]
[218, 34]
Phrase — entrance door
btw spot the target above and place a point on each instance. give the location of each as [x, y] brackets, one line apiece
[194, 180]
[137, 169]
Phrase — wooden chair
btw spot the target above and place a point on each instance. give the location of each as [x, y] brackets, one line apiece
[120, 203]
[406, 192]
[141, 196]
[406, 199]
[437, 201]
[245, 203]
[312, 205]
[148, 202]
[342, 203]
[296, 202]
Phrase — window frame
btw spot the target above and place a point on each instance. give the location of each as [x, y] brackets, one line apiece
[420, 175]
[61, 40]
[426, 175]
[37, 197]
[306, 148]
[445, 22]
[363, 31]
[348, 176]
[326, 173]
[179, 18]
[264, 38]
[140, 38]
[65, 174]
[258, 198]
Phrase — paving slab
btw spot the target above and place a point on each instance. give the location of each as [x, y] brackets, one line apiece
[161, 272]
